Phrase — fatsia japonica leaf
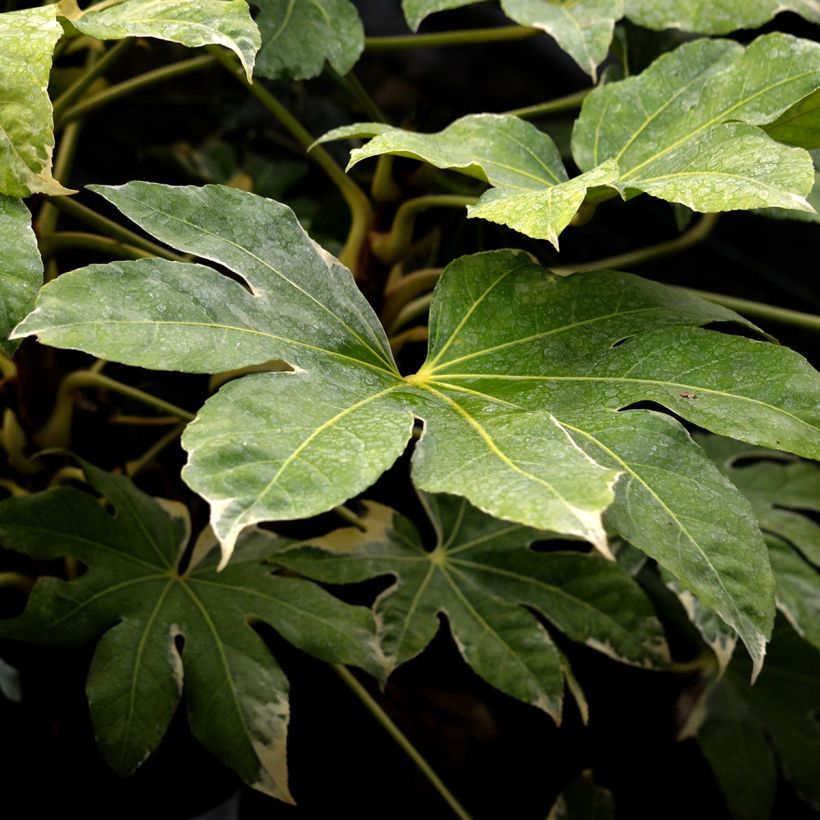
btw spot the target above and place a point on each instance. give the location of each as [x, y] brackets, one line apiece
[531, 192]
[27, 40]
[800, 125]
[716, 16]
[783, 491]
[166, 631]
[299, 36]
[21, 269]
[519, 394]
[224, 22]
[688, 128]
[480, 575]
[583, 799]
[582, 28]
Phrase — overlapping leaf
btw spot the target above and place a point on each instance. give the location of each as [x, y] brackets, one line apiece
[717, 16]
[299, 36]
[800, 125]
[21, 270]
[582, 28]
[224, 22]
[518, 394]
[687, 129]
[165, 630]
[480, 574]
[531, 192]
[777, 714]
[27, 40]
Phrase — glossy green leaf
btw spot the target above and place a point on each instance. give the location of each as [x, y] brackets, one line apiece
[299, 36]
[782, 703]
[27, 40]
[582, 28]
[686, 129]
[783, 492]
[800, 125]
[480, 574]
[531, 192]
[519, 393]
[223, 22]
[716, 16]
[165, 631]
[21, 270]
[798, 590]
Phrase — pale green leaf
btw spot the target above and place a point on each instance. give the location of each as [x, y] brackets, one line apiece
[531, 192]
[685, 130]
[798, 590]
[783, 492]
[800, 125]
[715, 16]
[416, 10]
[299, 36]
[480, 574]
[21, 269]
[164, 631]
[519, 395]
[27, 40]
[223, 22]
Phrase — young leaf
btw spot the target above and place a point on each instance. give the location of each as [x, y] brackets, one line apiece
[224, 22]
[480, 575]
[26, 132]
[781, 490]
[686, 129]
[21, 269]
[165, 630]
[519, 394]
[531, 191]
[800, 125]
[298, 36]
[717, 16]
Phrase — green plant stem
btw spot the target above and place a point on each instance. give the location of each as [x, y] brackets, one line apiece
[686, 240]
[57, 430]
[82, 83]
[17, 580]
[136, 465]
[361, 212]
[62, 240]
[348, 515]
[463, 37]
[12, 487]
[107, 226]
[401, 739]
[407, 288]
[411, 311]
[419, 333]
[116, 92]
[8, 369]
[571, 102]
[352, 85]
[760, 310]
[391, 246]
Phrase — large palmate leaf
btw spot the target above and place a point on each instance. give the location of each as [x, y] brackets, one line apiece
[531, 191]
[21, 270]
[298, 36]
[686, 129]
[583, 28]
[519, 393]
[480, 574]
[166, 631]
[716, 16]
[777, 714]
[27, 40]
[800, 125]
[224, 22]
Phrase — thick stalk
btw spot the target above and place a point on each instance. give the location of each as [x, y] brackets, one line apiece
[624, 260]
[407, 288]
[116, 92]
[760, 310]
[465, 37]
[84, 81]
[390, 247]
[107, 226]
[411, 311]
[62, 240]
[572, 102]
[57, 430]
[361, 213]
[401, 740]
[16, 580]
[136, 465]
